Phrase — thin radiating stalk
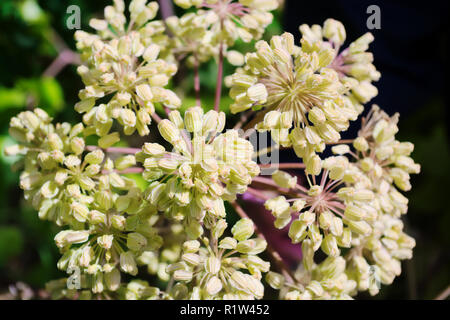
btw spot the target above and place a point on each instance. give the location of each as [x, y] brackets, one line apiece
[197, 82]
[156, 117]
[126, 171]
[257, 193]
[219, 79]
[115, 149]
[283, 165]
[343, 141]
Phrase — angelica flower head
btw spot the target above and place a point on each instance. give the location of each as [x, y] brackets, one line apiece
[124, 64]
[230, 20]
[201, 172]
[326, 280]
[377, 259]
[294, 88]
[346, 216]
[111, 242]
[212, 269]
[353, 64]
[193, 37]
[328, 213]
[382, 156]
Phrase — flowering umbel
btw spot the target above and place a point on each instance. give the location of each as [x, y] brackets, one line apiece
[193, 180]
[166, 209]
[123, 63]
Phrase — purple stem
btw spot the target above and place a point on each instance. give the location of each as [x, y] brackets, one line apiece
[166, 7]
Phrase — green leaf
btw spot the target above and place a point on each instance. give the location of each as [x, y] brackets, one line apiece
[12, 98]
[51, 94]
[11, 243]
[31, 12]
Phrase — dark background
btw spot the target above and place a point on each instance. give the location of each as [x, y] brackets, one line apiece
[411, 51]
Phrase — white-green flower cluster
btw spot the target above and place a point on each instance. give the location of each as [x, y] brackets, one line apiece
[193, 38]
[359, 208]
[388, 165]
[214, 269]
[59, 178]
[170, 221]
[325, 281]
[325, 217]
[229, 20]
[192, 181]
[109, 224]
[111, 243]
[353, 64]
[123, 64]
[303, 101]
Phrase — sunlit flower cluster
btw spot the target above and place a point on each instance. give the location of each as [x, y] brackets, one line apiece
[123, 64]
[213, 270]
[230, 20]
[59, 178]
[327, 213]
[113, 241]
[359, 208]
[153, 222]
[296, 90]
[193, 180]
[353, 64]
[192, 37]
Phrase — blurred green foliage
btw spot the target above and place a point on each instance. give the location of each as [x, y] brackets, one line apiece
[33, 33]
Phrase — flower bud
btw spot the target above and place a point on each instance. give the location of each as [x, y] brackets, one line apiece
[105, 241]
[212, 265]
[313, 165]
[354, 212]
[213, 286]
[257, 93]
[334, 30]
[243, 229]
[340, 149]
[144, 92]
[228, 243]
[112, 279]
[329, 246]
[153, 149]
[96, 217]
[79, 211]
[168, 131]
[297, 231]
[127, 263]
[219, 228]
[182, 275]
[283, 179]
[193, 119]
[360, 227]
[275, 280]
[235, 58]
[108, 140]
[68, 237]
[191, 246]
[94, 157]
[77, 145]
[125, 162]
[118, 222]
[151, 52]
[136, 241]
[55, 141]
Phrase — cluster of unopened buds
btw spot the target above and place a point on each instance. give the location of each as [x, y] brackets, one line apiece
[164, 209]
